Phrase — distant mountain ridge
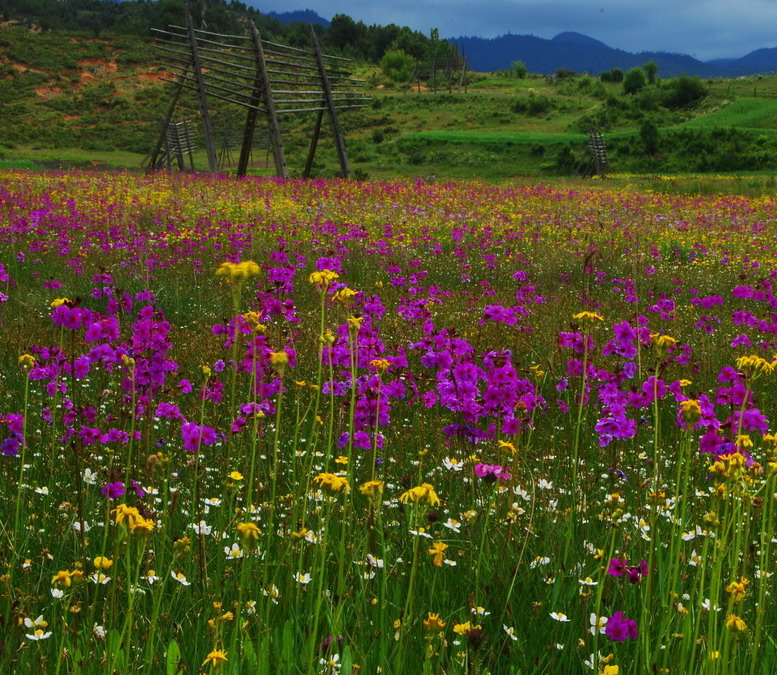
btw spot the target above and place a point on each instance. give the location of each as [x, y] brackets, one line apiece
[574, 51]
[583, 54]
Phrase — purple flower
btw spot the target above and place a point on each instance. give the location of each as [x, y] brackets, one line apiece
[10, 446]
[113, 490]
[492, 472]
[620, 628]
[617, 567]
[195, 435]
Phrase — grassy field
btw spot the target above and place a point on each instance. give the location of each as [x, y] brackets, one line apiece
[88, 101]
[332, 426]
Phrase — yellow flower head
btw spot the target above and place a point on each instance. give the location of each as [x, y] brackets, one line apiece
[216, 658]
[323, 278]
[332, 483]
[754, 365]
[60, 301]
[372, 488]
[344, 295]
[437, 552]
[507, 447]
[433, 624]
[663, 342]
[279, 359]
[355, 322]
[380, 365]
[422, 494]
[141, 526]
[182, 547]
[26, 361]
[466, 628]
[252, 320]
[124, 514]
[588, 317]
[736, 589]
[744, 441]
[61, 579]
[235, 272]
[248, 531]
[735, 624]
[102, 563]
[731, 466]
[235, 475]
[691, 412]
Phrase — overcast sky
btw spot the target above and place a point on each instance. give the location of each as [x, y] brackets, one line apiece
[705, 29]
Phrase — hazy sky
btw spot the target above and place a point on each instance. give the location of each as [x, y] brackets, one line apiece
[705, 29]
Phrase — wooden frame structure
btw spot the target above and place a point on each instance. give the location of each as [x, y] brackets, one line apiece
[264, 78]
[451, 70]
[598, 151]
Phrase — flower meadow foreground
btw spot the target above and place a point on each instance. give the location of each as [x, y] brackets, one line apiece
[318, 427]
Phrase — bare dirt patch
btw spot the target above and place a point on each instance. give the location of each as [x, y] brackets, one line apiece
[153, 78]
[47, 92]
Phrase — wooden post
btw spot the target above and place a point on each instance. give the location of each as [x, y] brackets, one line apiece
[262, 87]
[178, 146]
[189, 144]
[313, 145]
[207, 130]
[330, 104]
[166, 123]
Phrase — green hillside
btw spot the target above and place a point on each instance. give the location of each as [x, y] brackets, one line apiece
[68, 98]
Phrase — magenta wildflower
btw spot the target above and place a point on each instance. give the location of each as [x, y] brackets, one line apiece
[113, 490]
[492, 472]
[620, 628]
[617, 567]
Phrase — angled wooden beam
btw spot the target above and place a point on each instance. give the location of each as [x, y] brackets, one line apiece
[169, 117]
[313, 144]
[262, 90]
[331, 107]
[207, 129]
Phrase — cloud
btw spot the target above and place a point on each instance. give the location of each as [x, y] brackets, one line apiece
[703, 28]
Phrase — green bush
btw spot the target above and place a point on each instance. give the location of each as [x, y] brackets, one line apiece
[684, 92]
[397, 65]
[634, 81]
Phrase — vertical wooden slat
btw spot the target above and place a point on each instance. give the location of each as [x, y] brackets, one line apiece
[207, 129]
[330, 105]
[262, 89]
[163, 131]
[313, 145]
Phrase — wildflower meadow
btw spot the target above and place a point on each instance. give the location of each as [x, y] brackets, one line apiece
[276, 426]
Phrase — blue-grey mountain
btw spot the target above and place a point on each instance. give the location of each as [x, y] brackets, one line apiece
[580, 53]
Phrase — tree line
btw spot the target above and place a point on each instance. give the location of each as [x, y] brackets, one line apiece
[343, 36]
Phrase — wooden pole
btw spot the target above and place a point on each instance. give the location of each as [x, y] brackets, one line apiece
[262, 89]
[163, 131]
[313, 145]
[330, 104]
[207, 129]
[189, 144]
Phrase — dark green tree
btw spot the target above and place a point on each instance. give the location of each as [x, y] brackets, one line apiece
[519, 69]
[651, 70]
[648, 134]
[634, 81]
[684, 92]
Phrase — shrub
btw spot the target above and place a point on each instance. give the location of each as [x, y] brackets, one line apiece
[684, 92]
[397, 65]
[634, 81]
